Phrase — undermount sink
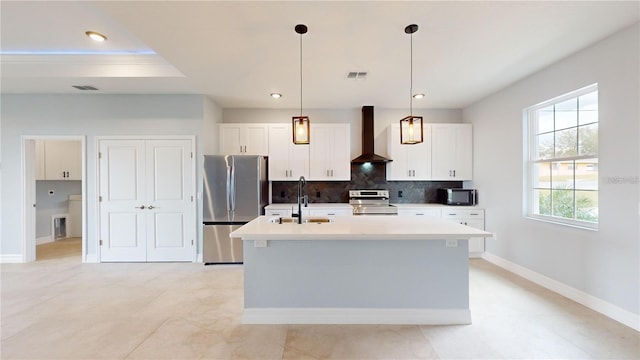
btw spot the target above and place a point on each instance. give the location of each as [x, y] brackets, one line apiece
[293, 220]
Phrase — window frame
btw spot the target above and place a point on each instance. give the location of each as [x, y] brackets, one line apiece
[530, 152]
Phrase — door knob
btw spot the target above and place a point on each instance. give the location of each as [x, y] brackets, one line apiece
[150, 207]
[141, 207]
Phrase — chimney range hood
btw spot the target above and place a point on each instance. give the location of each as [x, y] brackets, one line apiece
[367, 140]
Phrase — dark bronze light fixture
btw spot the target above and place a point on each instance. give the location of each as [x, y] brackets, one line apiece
[300, 124]
[411, 129]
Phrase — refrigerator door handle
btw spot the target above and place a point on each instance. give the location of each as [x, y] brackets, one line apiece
[233, 186]
[227, 160]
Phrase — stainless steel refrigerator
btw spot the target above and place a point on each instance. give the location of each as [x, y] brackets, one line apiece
[235, 192]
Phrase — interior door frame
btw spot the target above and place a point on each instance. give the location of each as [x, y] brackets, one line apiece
[194, 164]
[28, 191]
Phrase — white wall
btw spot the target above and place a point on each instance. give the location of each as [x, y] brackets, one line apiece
[91, 116]
[604, 264]
[382, 119]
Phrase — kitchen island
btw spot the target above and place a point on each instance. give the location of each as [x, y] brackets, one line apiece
[356, 270]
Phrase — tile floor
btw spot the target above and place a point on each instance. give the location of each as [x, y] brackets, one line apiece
[58, 308]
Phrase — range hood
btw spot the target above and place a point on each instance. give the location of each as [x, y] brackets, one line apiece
[367, 139]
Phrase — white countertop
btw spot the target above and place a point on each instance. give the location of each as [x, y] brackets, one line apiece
[279, 206]
[358, 228]
[289, 206]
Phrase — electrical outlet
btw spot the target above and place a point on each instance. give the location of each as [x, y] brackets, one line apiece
[260, 243]
[452, 243]
[400, 193]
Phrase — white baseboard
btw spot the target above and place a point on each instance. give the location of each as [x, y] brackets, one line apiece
[11, 259]
[356, 316]
[610, 310]
[91, 258]
[199, 258]
[44, 240]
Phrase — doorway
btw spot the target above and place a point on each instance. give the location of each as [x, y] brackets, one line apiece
[54, 193]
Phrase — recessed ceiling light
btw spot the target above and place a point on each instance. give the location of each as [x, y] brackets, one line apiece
[276, 95]
[418, 96]
[96, 36]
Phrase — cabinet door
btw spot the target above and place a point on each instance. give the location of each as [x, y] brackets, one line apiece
[419, 156]
[298, 161]
[476, 244]
[230, 139]
[255, 139]
[340, 153]
[451, 151]
[398, 169]
[62, 159]
[329, 152]
[40, 174]
[410, 162]
[320, 151]
[287, 162]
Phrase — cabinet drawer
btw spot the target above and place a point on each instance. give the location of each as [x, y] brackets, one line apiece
[462, 213]
[419, 212]
[331, 212]
[278, 212]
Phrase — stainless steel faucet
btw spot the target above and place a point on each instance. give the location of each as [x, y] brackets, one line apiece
[301, 183]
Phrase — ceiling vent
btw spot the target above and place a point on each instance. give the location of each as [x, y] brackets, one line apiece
[357, 75]
[84, 87]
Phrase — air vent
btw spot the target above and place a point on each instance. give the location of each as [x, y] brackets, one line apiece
[357, 75]
[84, 87]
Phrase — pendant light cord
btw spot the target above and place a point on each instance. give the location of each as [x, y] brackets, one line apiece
[300, 74]
[411, 80]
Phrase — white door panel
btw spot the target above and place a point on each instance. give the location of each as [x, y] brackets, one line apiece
[121, 183]
[146, 212]
[169, 168]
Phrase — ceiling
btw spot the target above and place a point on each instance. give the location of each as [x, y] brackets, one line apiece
[238, 52]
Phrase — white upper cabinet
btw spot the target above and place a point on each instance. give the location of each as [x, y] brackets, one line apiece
[58, 160]
[287, 162]
[244, 139]
[329, 152]
[410, 162]
[452, 152]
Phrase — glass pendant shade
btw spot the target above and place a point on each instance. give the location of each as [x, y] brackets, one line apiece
[411, 130]
[300, 126]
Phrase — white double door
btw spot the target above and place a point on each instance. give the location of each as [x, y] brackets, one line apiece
[146, 200]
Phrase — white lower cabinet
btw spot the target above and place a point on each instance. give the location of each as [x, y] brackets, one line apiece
[469, 217]
[473, 218]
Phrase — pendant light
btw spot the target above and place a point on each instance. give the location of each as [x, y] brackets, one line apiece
[411, 129]
[300, 124]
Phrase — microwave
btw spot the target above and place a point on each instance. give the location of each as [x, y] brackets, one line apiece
[458, 196]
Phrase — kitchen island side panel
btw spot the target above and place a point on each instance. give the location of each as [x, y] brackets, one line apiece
[378, 274]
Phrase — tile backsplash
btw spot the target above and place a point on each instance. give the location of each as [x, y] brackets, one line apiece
[369, 176]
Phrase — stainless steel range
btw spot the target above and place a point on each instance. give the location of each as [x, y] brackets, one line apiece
[371, 202]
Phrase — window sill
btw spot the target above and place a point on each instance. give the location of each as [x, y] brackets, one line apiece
[564, 222]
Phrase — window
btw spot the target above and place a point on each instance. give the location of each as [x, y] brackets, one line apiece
[561, 184]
